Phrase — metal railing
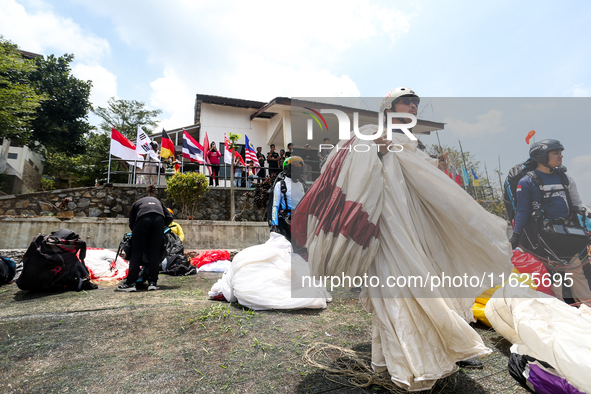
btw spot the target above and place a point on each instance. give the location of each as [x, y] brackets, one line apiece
[136, 175]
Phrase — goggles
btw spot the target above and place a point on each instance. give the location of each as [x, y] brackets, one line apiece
[407, 101]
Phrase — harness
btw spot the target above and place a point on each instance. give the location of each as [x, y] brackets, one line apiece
[538, 205]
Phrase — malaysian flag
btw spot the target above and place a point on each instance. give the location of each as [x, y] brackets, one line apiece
[192, 149]
[250, 154]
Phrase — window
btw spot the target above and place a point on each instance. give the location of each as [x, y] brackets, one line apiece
[36, 168]
[31, 162]
[13, 156]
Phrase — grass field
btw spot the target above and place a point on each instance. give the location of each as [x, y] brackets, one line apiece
[175, 340]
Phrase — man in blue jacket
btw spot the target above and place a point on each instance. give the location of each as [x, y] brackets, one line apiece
[546, 218]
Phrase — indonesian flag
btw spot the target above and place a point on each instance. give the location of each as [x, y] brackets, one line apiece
[124, 149]
[167, 147]
[192, 149]
[206, 153]
[250, 154]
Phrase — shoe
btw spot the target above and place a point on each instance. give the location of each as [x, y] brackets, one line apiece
[126, 288]
[470, 363]
[153, 286]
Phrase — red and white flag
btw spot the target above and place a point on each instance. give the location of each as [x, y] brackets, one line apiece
[227, 150]
[124, 149]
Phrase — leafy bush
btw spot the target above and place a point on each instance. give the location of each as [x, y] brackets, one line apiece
[186, 189]
[47, 184]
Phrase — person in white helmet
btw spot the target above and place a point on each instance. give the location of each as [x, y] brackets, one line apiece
[392, 217]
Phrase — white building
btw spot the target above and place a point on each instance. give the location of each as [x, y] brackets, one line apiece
[279, 121]
[23, 167]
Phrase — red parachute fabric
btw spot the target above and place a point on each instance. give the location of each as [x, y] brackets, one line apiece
[210, 256]
[525, 263]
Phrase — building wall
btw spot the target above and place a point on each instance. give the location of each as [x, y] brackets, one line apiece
[28, 166]
[217, 120]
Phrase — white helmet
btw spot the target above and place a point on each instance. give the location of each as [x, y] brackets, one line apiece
[395, 94]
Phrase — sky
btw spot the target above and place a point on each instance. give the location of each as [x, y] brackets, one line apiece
[164, 53]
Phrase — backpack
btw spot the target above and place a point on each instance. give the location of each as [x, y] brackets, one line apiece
[518, 172]
[55, 262]
[177, 265]
[7, 270]
[172, 244]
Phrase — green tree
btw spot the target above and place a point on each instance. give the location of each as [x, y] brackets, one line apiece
[87, 166]
[61, 121]
[18, 99]
[126, 115]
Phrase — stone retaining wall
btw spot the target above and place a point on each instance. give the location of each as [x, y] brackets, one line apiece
[115, 202]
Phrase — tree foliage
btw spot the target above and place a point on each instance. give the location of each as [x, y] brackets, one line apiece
[126, 115]
[19, 100]
[87, 166]
[62, 120]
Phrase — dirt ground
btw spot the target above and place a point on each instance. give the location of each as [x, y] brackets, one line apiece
[175, 340]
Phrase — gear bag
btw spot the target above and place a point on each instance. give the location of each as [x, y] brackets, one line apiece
[55, 262]
[7, 270]
[177, 265]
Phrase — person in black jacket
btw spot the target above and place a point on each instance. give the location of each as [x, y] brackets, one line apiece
[147, 220]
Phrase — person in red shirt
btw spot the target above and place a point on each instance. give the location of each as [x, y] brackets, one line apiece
[214, 158]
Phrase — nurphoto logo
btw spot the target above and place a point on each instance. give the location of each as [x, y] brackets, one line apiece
[345, 127]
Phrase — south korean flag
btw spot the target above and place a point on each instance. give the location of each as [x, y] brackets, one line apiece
[143, 144]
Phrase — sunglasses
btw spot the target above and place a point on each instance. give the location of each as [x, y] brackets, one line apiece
[408, 101]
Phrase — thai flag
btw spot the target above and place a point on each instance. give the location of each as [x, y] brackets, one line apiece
[250, 154]
[192, 149]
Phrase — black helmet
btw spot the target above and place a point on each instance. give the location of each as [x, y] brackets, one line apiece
[539, 150]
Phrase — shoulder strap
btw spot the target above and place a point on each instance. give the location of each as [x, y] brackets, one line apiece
[565, 183]
[284, 191]
[537, 180]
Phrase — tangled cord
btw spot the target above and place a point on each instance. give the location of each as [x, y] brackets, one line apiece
[356, 368]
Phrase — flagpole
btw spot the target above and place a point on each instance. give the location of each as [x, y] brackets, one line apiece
[134, 167]
[109, 170]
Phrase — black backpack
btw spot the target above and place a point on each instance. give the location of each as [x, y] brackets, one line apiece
[55, 262]
[7, 270]
[172, 244]
[177, 265]
[518, 172]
